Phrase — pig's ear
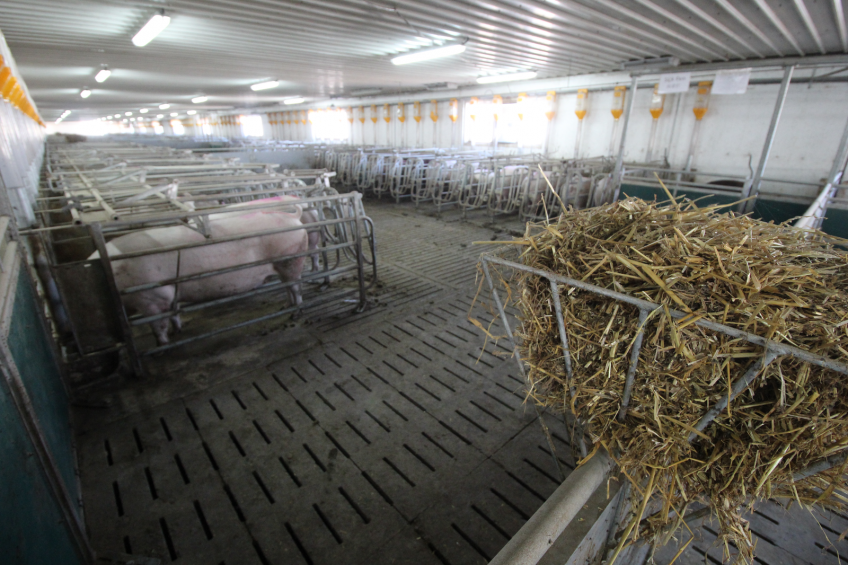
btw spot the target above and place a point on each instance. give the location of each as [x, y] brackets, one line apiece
[296, 213]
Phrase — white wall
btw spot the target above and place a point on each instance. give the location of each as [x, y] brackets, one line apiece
[732, 133]
[21, 154]
[733, 130]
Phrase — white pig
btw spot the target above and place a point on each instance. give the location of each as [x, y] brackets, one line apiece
[159, 267]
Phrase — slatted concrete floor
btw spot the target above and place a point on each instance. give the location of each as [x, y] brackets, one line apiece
[391, 436]
[792, 536]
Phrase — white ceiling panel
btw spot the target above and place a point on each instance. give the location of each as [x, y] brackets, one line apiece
[321, 49]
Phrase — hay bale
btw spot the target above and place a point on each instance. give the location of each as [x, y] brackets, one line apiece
[771, 280]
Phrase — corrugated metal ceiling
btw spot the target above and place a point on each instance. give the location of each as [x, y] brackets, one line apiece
[333, 47]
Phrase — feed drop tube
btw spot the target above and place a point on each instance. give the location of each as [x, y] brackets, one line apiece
[702, 102]
[657, 104]
[618, 96]
[580, 112]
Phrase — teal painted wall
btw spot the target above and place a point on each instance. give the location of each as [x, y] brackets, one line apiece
[836, 223]
[40, 374]
[766, 210]
[32, 530]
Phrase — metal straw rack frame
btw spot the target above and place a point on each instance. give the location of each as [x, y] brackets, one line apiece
[771, 351]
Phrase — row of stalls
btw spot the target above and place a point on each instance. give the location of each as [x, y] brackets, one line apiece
[100, 196]
[531, 186]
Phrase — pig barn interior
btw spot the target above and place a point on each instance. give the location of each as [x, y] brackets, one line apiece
[256, 294]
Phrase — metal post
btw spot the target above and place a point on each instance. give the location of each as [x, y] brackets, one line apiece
[841, 154]
[520, 363]
[735, 390]
[754, 188]
[360, 258]
[634, 362]
[126, 328]
[619, 162]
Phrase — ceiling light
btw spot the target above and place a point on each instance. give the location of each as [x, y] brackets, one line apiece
[128, 113]
[160, 116]
[656, 63]
[151, 29]
[102, 75]
[199, 100]
[265, 85]
[164, 106]
[132, 119]
[504, 78]
[428, 54]
[174, 114]
[85, 93]
[366, 91]
[143, 111]
[191, 112]
[293, 101]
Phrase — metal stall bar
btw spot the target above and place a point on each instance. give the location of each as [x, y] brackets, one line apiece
[754, 188]
[619, 161]
[127, 323]
[517, 358]
[815, 214]
[100, 243]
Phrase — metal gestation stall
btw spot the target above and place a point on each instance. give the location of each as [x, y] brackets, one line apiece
[472, 180]
[531, 543]
[191, 196]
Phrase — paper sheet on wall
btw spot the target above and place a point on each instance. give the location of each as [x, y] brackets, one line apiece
[731, 81]
[674, 82]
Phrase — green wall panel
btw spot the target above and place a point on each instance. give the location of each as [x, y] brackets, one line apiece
[40, 374]
[32, 530]
[766, 210]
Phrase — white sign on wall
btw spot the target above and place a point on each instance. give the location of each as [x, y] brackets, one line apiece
[731, 81]
[674, 82]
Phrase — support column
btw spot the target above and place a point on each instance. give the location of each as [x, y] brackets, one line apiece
[754, 188]
[619, 162]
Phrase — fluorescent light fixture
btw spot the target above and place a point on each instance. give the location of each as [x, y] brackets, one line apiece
[505, 78]
[128, 113]
[132, 119]
[164, 106]
[293, 101]
[427, 54]
[199, 100]
[191, 112]
[102, 75]
[160, 116]
[143, 111]
[265, 85]
[366, 91]
[645, 64]
[151, 29]
[85, 93]
[174, 114]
